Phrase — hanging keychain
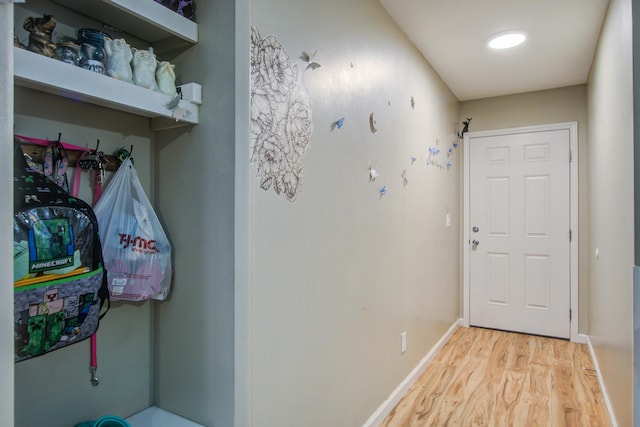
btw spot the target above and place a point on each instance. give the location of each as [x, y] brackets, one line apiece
[93, 160]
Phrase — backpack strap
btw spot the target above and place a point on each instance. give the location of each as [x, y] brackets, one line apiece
[56, 161]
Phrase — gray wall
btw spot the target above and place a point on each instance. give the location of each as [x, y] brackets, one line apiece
[636, 181]
[194, 328]
[339, 274]
[611, 215]
[636, 126]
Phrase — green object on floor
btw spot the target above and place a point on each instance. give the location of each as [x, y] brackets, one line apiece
[106, 421]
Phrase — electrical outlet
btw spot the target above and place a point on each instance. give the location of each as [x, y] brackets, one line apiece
[403, 342]
[447, 220]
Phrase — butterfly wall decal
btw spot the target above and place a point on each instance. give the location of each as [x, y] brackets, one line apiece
[309, 60]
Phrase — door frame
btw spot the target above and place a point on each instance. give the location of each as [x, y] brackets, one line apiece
[572, 127]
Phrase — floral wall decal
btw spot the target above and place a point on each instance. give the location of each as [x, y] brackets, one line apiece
[281, 123]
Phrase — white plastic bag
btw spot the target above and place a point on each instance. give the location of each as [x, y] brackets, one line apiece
[136, 251]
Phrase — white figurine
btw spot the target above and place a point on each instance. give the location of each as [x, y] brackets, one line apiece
[144, 68]
[166, 78]
[119, 58]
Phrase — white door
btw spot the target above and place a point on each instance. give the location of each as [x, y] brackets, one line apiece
[519, 219]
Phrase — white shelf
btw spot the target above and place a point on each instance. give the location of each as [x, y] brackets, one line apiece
[144, 19]
[50, 75]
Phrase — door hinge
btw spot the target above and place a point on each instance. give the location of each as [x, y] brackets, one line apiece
[570, 156]
[570, 314]
[570, 235]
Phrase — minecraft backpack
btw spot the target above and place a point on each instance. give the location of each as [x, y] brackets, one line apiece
[60, 283]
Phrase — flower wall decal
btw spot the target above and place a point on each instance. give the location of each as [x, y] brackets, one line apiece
[281, 123]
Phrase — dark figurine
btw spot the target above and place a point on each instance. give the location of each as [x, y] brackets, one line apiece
[187, 8]
[16, 42]
[465, 128]
[40, 30]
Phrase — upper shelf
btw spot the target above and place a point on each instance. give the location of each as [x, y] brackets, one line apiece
[144, 19]
[50, 75]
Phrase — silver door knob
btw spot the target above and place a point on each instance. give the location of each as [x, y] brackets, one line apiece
[475, 244]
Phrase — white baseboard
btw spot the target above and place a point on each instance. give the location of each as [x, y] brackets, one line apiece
[387, 406]
[582, 339]
[605, 395]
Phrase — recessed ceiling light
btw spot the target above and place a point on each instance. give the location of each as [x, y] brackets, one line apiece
[506, 40]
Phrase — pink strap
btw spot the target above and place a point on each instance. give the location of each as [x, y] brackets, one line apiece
[97, 188]
[77, 174]
[94, 353]
[46, 142]
[75, 187]
[97, 192]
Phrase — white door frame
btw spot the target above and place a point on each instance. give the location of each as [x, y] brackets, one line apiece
[573, 136]
[7, 359]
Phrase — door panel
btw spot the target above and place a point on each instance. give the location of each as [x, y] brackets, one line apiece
[519, 193]
[498, 278]
[498, 206]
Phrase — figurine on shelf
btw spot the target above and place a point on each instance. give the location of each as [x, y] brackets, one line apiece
[166, 78]
[119, 56]
[16, 42]
[40, 30]
[68, 52]
[92, 55]
[186, 8]
[144, 68]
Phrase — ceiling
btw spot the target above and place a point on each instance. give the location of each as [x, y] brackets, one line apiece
[453, 34]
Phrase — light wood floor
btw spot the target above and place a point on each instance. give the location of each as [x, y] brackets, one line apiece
[493, 378]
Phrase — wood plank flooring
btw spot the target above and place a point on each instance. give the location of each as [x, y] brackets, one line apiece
[484, 377]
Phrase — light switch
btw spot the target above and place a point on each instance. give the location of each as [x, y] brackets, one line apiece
[447, 220]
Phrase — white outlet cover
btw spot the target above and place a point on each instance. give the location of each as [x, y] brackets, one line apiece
[403, 343]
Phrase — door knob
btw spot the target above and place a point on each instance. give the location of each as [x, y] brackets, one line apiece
[475, 244]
